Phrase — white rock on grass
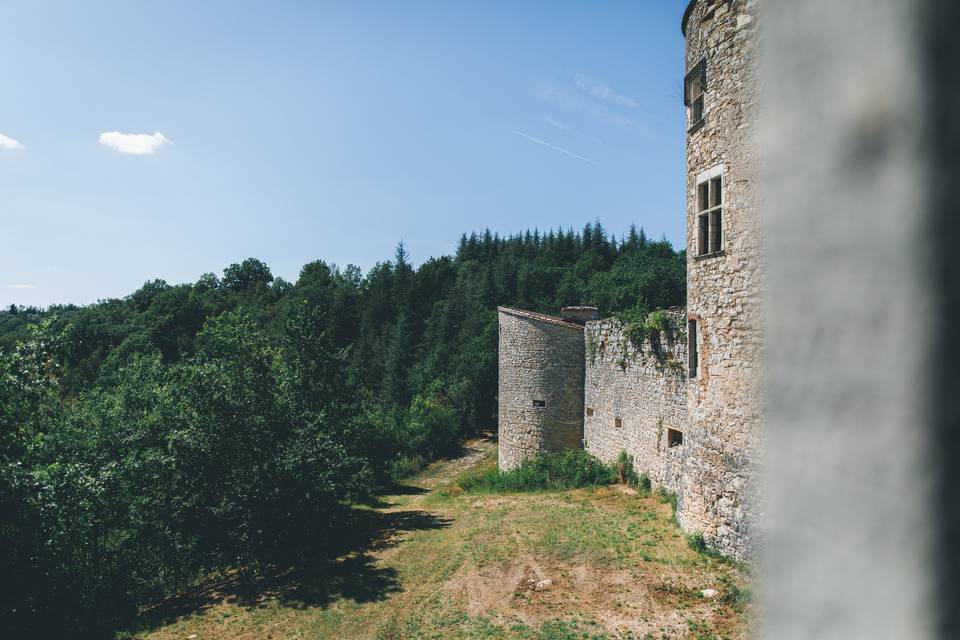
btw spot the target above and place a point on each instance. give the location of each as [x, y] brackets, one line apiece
[543, 585]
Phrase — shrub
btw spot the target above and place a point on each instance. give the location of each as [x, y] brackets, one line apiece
[644, 484]
[667, 497]
[626, 474]
[569, 469]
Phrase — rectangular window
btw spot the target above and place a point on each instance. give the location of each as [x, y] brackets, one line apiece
[674, 438]
[694, 89]
[710, 216]
[589, 411]
[617, 422]
[539, 403]
[692, 348]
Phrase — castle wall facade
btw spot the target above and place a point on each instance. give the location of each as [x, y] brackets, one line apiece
[699, 431]
[635, 397]
[720, 493]
[540, 385]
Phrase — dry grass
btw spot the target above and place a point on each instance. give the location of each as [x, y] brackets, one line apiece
[451, 565]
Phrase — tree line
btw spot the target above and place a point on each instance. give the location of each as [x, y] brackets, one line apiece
[232, 423]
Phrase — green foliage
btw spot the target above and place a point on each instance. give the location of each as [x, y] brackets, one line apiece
[231, 423]
[626, 474]
[735, 597]
[570, 469]
[668, 497]
[642, 325]
[698, 543]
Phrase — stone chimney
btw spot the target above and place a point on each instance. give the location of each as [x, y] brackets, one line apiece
[580, 315]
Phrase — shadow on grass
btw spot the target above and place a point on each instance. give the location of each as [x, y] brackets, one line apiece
[349, 571]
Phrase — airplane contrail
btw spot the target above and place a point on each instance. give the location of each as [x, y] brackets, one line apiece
[547, 144]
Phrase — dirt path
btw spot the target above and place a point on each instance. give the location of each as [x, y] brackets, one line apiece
[443, 472]
[431, 562]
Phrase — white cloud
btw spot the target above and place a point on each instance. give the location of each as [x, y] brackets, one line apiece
[611, 117]
[563, 97]
[20, 286]
[547, 144]
[563, 127]
[9, 143]
[599, 89]
[134, 143]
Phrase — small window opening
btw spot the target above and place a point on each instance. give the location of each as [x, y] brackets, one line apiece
[694, 89]
[674, 438]
[692, 355]
[710, 216]
[540, 403]
[589, 411]
[618, 423]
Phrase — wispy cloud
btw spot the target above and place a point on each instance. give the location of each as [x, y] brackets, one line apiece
[7, 142]
[610, 116]
[555, 148]
[137, 144]
[599, 89]
[20, 286]
[596, 97]
[559, 125]
[565, 97]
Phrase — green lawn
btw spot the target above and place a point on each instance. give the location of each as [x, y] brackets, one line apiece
[436, 562]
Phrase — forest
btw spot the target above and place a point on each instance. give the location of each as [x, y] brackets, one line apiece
[233, 424]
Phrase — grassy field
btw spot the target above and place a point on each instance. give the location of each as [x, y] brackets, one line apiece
[434, 562]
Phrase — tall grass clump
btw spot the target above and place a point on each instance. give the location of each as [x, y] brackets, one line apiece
[569, 469]
[627, 474]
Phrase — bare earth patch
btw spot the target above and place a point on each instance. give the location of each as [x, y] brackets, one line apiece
[603, 563]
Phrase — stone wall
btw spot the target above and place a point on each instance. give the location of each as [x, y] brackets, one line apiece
[644, 386]
[720, 495]
[541, 361]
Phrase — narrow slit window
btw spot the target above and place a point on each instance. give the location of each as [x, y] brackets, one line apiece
[539, 403]
[710, 216]
[692, 355]
[694, 89]
[674, 438]
[589, 411]
[618, 423]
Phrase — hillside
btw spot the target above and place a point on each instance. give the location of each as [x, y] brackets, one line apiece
[189, 430]
[433, 562]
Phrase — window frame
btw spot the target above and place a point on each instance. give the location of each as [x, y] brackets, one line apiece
[674, 438]
[696, 105]
[709, 204]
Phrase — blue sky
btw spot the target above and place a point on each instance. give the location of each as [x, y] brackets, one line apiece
[299, 131]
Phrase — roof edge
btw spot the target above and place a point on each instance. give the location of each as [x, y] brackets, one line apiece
[542, 317]
[686, 17]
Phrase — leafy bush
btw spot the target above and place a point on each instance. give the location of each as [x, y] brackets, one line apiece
[570, 469]
[668, 497]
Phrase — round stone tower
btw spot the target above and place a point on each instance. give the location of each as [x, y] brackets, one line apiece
[540, 385]
[719, 493]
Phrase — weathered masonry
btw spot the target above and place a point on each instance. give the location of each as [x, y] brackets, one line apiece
[635, 397]
[541, 383]
[575, 381]
[685, 403]
[719, 496]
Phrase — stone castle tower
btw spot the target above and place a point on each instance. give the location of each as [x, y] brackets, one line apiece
[718, 496]
[540, 385]
[685, 403]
